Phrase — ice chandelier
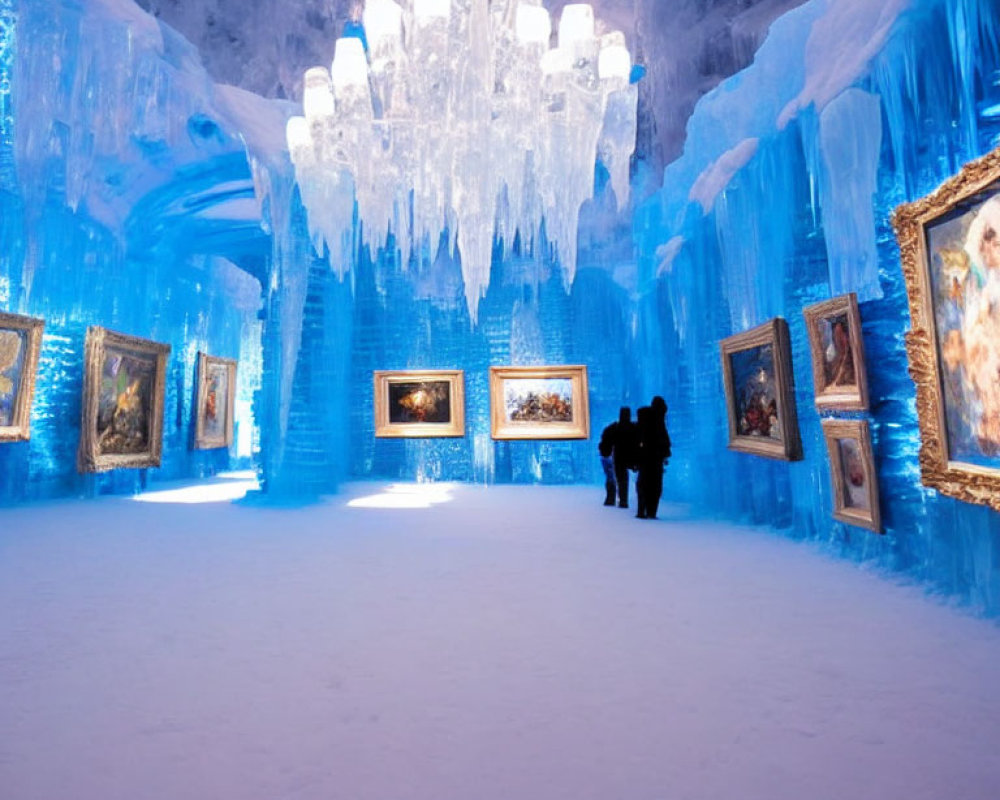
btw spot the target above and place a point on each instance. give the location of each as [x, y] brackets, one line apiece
[459, 117]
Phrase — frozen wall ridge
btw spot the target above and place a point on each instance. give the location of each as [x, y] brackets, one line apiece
[718, 174]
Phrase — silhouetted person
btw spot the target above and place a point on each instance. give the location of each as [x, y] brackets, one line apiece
[654, 449]
[618, 445]
[606, 448]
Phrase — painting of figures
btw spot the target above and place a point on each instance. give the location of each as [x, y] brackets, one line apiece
[20, 342]
[757, 375]
[419, 403]
[852, 469]
[950, 249]
[838, 354]
[123, 401]
[539, 402]
[216, 402]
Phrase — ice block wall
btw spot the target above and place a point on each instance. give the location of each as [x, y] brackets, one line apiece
[782, 199]
[125, 204]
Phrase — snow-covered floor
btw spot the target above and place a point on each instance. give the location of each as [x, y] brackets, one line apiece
[470, 643]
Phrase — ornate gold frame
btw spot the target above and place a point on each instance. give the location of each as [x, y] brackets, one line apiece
[20, 429]
[89, 457]
[857, 429]
[843, 398]
[202, 441]
[503, 428]
[774, 332]
[455, 378]
[965, 481]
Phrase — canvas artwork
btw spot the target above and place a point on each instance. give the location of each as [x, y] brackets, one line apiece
[760, 402]
[123, 396]
[838, 355]
[20, 343]
[539, 402]
[950, 246]
[855, 484]
[419, 403]
[216, 402]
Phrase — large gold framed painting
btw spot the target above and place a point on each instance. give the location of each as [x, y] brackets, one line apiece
[539, 402]
[417, 404]
[123, 393]
[950, 248]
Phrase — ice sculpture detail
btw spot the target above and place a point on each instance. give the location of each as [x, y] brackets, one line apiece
[459, 118]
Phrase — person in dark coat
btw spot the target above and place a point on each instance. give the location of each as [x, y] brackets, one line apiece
[606, 448]
[654, 450]
[619, 442]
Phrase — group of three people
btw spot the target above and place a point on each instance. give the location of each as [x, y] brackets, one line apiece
[642, 446]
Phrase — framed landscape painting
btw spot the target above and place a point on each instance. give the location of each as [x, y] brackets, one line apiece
[950, 248]
[419, 403]
[852, 468]
[216, 402]
[20, 343]
[123, 393]
[760, 398]
[539, 403]
[838, 354]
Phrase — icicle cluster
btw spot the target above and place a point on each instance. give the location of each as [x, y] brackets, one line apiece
[460, 118]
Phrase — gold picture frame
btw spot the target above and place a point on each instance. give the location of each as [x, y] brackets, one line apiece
[949, 245]
[852, 471]
[419, 403]
[539, 402]
[216, 402]
[838, 354]
[123, 395]
[20, 344]
[760, 392]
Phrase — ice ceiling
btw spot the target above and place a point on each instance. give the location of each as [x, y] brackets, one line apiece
[687, 46]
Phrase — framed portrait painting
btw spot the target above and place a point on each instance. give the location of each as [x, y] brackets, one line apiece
[760, 396]
[419, 403]
[852, 469]
[950, 248]
[838, 354]
[123, 394]
[216, 402]
[539, 402]
[20, 343]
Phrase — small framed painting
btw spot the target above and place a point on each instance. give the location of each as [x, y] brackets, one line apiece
[760, 396]
[419, 403]
[855, 483]
[123, 395]
[539, 403]
[20, 343]
[213, 427]
[838, 353]
[949, 243]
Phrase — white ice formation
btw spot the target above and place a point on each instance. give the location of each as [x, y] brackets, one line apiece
[461, 118]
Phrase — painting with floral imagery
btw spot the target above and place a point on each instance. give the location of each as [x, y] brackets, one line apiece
[950, 252]
[123, 401]
[760, 402]
[216, 402]
[419, 403]
[539, 402]
[20, 341]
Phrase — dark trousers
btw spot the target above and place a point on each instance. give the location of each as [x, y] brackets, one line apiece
[648, 489]
[621, 478]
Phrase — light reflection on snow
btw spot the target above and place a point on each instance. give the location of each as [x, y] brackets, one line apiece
[406, 495]
[224, 487]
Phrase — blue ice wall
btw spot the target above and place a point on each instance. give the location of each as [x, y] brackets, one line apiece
[804, 216]
[122, 204]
